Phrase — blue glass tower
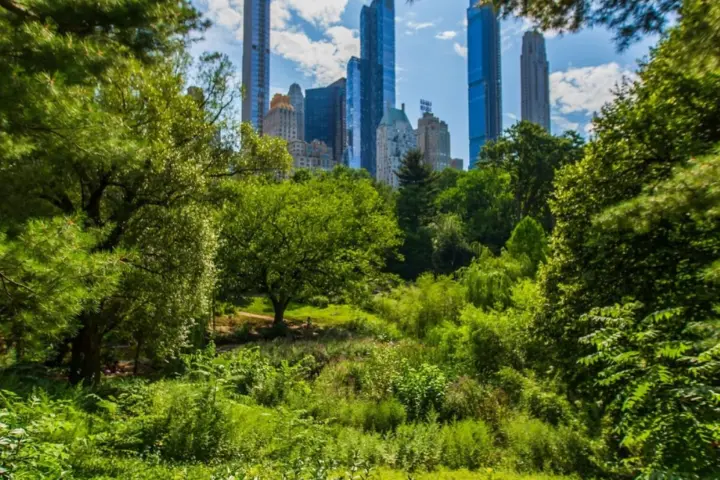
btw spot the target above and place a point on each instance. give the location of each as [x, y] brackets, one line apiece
[484, 78]
[377, 74]
[256, 62]
[353, 114]
[325, 117]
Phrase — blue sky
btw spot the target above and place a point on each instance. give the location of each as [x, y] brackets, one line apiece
[313, 39]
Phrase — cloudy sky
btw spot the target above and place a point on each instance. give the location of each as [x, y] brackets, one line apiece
[312, 41]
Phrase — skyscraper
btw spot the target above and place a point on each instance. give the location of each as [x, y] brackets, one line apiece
[325, 118]
[484, 77]
[535, 78]
[297, 99]
[281, 120]
[353, 115]
[256, 62]
[377, 50]
[395, 138]
[433, 140]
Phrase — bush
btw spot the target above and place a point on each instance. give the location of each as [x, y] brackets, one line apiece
[467, 399]
[421, 390]
[420, 307]
[417, 447]
[489, 279]
[383, 417]
[497, 338]
[467, 444]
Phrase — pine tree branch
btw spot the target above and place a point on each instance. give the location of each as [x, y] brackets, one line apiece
[17, 9]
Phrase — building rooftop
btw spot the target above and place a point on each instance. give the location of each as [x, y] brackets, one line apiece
[393, 116]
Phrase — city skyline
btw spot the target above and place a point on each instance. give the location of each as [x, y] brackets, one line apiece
[311, 45]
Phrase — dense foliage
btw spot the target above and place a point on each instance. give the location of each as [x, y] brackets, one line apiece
[551, 314]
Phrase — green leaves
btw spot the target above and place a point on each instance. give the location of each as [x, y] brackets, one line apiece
[324, 236]
[659, 378]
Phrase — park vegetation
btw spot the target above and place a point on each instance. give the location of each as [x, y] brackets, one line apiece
[177, 303]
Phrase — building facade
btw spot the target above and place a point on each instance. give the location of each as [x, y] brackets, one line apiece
[433, 140]
[377, 51]
[297, 100]
[314, 156]
[353, 115]
[457, 164]
[395, 138]
[484, 77]
[281, 120]
[325, 117]
[535, 79]
[256, 62]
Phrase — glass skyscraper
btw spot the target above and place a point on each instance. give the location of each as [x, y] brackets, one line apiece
[484, 77]
[353, 114]
[377, 74]
[325, 117]
[256, 62]
[535, 77]
[297, 99]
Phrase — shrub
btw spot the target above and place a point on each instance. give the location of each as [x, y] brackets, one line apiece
[467, 399]
[420, 307]
[417, 447]
[421, 390]
[489, 279]
[385, 416]
[497, 338]
[466, 444]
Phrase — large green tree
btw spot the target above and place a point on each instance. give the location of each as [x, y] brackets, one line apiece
[325, 235]
[653, 127]
[96, 123]
[531, 156]
[484, 200]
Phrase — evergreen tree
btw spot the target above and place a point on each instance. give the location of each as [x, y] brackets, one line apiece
[415, 211]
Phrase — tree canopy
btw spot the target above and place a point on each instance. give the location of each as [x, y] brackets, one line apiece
[294, 240]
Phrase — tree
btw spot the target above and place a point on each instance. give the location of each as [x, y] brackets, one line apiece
[108, 133]
[531, 156]
[661, 267]
[451, 249]
[417, 192]
[484, 200]
[292, 241]
[415, 210]
[48, 275]
[528, 240]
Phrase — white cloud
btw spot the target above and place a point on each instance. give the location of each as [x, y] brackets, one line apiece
[564, 124]
[419, 26]
[324, 59]
[587, 89]
[447, 35]
[460, 50]
[227, 13]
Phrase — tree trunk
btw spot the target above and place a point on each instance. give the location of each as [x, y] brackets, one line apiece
[137, 356]
[85, 363]
[279, 306]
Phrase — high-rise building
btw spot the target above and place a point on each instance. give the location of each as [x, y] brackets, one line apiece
[281, 120]
[535, 79]
[325, 117]
[433, 140]
[314, 156]
[377, 51]
[457, 164]
[353, 116]
[484, 77]
[395, 138]
[297, 99]
[256, 62]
